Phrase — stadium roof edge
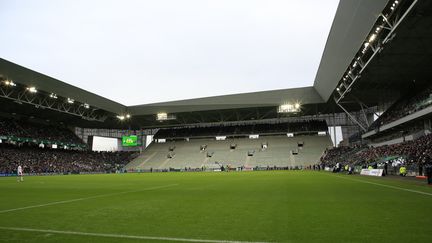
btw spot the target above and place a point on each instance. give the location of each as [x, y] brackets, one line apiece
[46, 83]
[304, 95]
[353, 21]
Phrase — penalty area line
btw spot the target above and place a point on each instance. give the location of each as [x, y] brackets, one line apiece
[137, 237]
[84, 198]
[384, 185]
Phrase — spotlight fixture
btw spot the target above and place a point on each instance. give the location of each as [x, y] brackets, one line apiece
[163, 116]
[9, 83]
[372, 38]
[289, 108]
[32, 89]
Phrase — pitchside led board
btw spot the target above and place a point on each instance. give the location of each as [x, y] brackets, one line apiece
[129, 141]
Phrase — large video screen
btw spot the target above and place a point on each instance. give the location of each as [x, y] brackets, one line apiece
[129, 141]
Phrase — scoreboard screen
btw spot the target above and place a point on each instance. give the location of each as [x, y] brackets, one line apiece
[129, 141]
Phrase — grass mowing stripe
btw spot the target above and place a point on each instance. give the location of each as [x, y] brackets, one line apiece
[139, 237]
[384, 185]
[84, 198]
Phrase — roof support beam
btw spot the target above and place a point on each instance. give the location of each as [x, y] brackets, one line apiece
[352, 118]
[41, 102]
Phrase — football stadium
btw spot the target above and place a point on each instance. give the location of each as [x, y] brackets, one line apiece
[189, 121]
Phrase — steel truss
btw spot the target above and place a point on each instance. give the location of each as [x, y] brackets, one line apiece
[42, 101]
[371, 48]
[366, 54]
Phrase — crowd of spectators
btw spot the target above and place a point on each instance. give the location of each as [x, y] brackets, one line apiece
[415, 153]
[23, 129]
[223, 130]
[39, 160]
[405, 106]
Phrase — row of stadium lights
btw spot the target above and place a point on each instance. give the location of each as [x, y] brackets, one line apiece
[33, 90]
[285, 108]
[160, 116]
[366, 45]
[163, 116]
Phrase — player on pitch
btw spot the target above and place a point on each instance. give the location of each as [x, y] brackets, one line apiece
[20, 174]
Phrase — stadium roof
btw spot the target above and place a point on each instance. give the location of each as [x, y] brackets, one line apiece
[352, 24]
[29, 77]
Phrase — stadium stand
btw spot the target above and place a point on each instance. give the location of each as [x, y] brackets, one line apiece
[22, 131]
[277, 128]
[37, 160]
[20, 143]
[414, 154]
[197, 148]
[406, 105]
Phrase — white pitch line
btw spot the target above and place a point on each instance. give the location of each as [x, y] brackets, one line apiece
[83, 198]
[139, 237]
[384, 185]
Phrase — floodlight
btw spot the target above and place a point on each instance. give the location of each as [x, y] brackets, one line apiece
[9, 83]
[161, 116]
[31, 89]
[70, 101]
[87, 106]
[53, 96]
[372, 37]
[289, 108]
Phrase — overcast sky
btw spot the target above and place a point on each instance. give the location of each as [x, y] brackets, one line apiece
[138, 52]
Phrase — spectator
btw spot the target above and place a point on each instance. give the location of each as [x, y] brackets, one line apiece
[39, 160]
[409, 153]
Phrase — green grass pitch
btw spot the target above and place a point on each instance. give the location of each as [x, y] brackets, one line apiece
[273, 206]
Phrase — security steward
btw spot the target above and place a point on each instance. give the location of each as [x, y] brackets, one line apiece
[403, 170]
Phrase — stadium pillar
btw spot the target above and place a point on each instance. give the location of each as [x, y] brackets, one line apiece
[90, 142]
[334, 129]
[352, 117]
